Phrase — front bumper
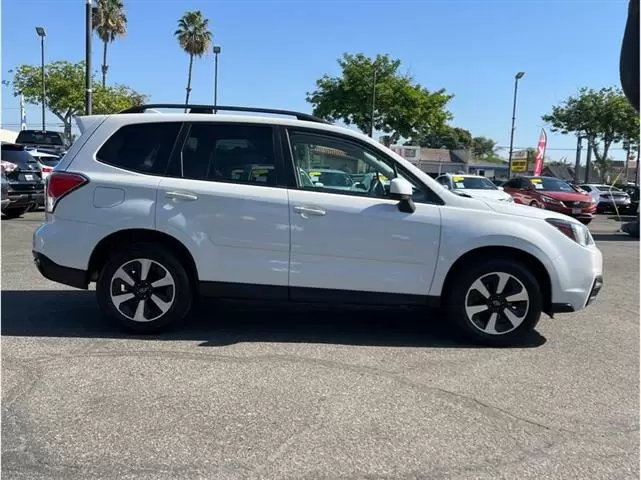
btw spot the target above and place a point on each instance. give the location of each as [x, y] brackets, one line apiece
[597, 284]
[59, 274]
[585, 213]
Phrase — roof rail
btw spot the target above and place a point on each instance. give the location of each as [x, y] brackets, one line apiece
[214, 109]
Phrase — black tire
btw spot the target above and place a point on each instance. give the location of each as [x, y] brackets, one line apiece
[14, 212]
[586, 221]
[159, 256]
[457, 297]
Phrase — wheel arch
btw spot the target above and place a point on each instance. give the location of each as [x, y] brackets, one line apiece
[115, 240]
[530, 261]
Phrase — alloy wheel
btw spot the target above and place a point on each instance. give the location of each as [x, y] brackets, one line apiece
[142, 290]
[497, 303]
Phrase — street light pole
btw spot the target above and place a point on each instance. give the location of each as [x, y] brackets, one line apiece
[517, 77]
[217, 51]
[371, 127]
[88, 33]
[42, 34]
[577, 162]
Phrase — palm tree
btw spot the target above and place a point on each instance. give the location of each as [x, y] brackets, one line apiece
[110, 22]
[194, 38]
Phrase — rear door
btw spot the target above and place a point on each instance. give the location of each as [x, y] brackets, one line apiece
[236, 225]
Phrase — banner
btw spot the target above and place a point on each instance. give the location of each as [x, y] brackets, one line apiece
[540, 153]
[23, 115]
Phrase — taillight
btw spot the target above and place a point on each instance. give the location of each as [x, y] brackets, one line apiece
[60, 184]
[8, 166]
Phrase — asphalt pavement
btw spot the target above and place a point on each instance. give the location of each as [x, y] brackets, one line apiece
[256, 391]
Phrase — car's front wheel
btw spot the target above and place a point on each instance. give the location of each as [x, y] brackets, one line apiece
[494, 302]
[144, 288]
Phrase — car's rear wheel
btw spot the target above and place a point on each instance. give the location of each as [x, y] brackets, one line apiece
[144, 288]
[14, 212]
[494, 302]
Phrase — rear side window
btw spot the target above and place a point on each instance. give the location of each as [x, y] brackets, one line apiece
[18, 157]
[142, 147]
[228, 153]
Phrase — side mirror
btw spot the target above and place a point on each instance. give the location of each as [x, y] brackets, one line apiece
[402, 190]
[360, 186]
[319, 184]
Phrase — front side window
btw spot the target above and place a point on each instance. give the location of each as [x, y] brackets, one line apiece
[236, 153]
[141, 147]
[333, 163]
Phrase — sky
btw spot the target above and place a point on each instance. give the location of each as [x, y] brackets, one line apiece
[273, 52]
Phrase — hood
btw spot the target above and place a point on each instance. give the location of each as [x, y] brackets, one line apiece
[488, 194]
[520, 210]
[567, 196]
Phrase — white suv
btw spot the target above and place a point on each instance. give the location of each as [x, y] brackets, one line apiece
[150, 207]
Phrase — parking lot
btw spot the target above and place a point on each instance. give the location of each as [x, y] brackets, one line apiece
[249, 391]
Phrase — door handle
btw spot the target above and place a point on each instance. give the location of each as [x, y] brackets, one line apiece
[181, 196]
[304, 211]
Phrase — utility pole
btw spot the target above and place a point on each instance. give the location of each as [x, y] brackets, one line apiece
[88, 34]
[517, 77]
[217, 51]
[371, 127]
[42, 34]
[588, 161]
[627, 147]
[577, 162]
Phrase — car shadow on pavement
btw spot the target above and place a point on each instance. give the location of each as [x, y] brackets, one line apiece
[65, 313]
[613, 237]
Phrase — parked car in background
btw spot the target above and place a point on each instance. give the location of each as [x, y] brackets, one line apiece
[475, 186]
[607, 197]
[44, 140]
[552, 193]
[24, 180]
[333, 179]
[46, 161]
[4, 198]
[133, 207]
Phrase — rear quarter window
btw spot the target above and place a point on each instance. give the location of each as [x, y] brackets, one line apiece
[142, 147]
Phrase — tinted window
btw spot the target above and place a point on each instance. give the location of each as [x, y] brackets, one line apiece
[18, 157]
[142, 147]
[228, 153]
[514, 183]
[40, 138]
[586, 188]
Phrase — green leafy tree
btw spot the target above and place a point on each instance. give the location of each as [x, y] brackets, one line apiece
[109, 22]
[604, 116]
[402, 108]
[483, 148]
[452, 138]
[194, 38]
[65, 92]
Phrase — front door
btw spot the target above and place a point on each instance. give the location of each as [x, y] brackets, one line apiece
[357, 240]
[225, 197]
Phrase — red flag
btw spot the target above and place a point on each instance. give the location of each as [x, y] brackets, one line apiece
[540, 153]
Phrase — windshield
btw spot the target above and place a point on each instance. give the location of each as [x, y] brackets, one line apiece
[472, 183]
[40, 138]
[605, 188]
[551, 184]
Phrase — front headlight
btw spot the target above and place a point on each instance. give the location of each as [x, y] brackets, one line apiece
[576, 231]
[550, 200]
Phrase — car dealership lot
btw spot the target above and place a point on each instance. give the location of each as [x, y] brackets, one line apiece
[302, 392]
